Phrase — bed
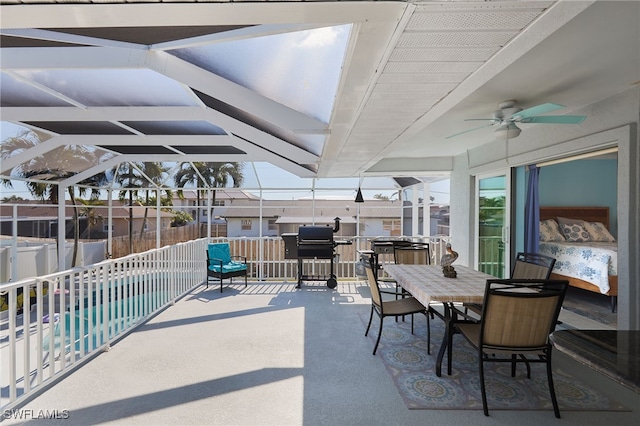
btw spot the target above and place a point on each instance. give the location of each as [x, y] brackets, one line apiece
[587, 265]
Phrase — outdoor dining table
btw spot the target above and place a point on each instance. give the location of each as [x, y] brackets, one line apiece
[428, 284]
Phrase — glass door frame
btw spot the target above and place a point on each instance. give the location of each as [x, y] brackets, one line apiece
[506, 228]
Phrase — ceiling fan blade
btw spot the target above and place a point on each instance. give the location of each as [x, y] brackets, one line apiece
[536, 110]
[469, 130]
[555, 119]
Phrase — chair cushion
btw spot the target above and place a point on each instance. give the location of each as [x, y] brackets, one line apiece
[220, 251]
[229, 267]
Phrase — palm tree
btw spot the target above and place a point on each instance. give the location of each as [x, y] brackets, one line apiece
[156, 172]
[220, 173]
[166, 201]
[90, 213]
[58, 164]
[132, 181]
[187, 175]
[215, 175]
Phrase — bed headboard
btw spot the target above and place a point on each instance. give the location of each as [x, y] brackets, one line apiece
[590, 214]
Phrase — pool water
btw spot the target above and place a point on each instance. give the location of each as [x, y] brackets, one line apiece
[99, 326]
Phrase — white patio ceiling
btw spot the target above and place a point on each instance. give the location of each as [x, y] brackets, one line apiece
[378, 92]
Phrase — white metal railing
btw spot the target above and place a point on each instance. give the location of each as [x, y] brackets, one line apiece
[56, 322]
[266, 260]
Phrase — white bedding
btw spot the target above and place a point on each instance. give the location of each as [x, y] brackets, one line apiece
[592, 261]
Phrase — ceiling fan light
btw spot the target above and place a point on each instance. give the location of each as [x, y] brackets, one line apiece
[508, 131]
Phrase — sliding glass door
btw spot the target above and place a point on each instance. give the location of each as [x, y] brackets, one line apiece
[492, 224]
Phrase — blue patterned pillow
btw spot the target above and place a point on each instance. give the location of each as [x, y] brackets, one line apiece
[550, 231]
[598, 232]
[574, 230]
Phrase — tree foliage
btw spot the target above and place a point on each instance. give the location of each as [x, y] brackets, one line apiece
[212, 175]
[181, 218]
[45, 172]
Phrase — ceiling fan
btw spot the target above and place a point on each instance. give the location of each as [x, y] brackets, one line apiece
[509, 114]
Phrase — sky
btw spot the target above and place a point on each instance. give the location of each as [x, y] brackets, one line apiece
[265, 175]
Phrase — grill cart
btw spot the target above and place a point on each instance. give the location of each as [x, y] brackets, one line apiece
[314, 242]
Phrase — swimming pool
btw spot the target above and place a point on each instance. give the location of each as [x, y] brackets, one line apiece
[97, 324]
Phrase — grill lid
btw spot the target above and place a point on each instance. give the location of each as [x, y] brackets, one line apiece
[315, 234]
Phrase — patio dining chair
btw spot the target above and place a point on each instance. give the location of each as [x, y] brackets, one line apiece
[414, 254]
[526, 266]
[407, 305]
[518, 315]
[532, 266]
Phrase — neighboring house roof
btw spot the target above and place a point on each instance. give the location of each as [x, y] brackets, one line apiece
[31, 210]
[27, 209]
[138, 212]
[300, 208]
[318, 220]
[221, 194]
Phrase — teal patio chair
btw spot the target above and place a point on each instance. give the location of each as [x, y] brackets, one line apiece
[221, 265]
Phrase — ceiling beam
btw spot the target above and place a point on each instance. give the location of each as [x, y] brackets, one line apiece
[61, 37]
[412, 166]
[244, 33]
[181, 71]
[195, 14]
[231, 93]
[292, 152]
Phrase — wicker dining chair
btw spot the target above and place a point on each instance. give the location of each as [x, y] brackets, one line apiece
[413, 254]
[532, 266]
[517, 317]
[526, 266]
[407, 305]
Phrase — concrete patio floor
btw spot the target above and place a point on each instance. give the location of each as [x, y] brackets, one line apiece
[268, 354]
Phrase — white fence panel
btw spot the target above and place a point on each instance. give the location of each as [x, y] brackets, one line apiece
[93, 252]
[5, 262]
[35, 259]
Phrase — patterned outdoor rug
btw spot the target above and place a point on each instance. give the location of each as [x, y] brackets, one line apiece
[413, 372]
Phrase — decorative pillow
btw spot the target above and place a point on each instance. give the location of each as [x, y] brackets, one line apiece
[598, 232]
[550, 231]
[574, 230]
